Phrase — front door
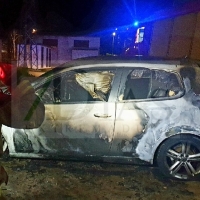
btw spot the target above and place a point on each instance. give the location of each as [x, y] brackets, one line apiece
[80, 114]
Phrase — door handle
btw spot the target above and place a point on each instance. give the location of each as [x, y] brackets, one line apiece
[102, 115]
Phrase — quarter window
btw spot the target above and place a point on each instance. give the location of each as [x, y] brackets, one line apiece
[164, 84]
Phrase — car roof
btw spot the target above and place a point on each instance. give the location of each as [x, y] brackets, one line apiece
[116, 61]
[109, 61]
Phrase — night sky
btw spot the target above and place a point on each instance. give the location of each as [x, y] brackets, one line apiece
[81, 15]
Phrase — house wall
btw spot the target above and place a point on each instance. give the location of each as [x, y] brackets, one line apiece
[177, 37]
[83, 53]
[195, 51]
[160, 38]
[93, 50]
[65, 51]
[55, 56]
[182, 36]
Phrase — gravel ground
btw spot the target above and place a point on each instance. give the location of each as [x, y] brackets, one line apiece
[67, 180]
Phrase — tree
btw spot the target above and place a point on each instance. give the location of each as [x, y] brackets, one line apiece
[15, 37]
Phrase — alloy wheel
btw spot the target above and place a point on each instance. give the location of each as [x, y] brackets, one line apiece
[183, 160]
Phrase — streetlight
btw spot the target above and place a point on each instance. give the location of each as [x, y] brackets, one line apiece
[113, 40]
[34, 30]
[136, 23]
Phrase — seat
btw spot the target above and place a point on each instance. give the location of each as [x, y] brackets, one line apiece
[137, 88]
[159, 93]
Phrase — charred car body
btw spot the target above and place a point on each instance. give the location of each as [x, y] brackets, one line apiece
[116, 110]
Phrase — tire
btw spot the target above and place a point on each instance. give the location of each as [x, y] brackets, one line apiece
[178, 157]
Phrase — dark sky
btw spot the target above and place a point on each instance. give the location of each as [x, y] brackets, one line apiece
[84, 14]
[97, 14]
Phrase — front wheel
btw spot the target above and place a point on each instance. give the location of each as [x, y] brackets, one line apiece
[179, 157]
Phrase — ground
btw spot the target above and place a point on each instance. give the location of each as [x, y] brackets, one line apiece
[69, 180]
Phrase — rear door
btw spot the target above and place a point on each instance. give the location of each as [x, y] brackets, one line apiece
[147, 98]
[130, 119]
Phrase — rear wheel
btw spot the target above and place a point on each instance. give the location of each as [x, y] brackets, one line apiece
[179, 157]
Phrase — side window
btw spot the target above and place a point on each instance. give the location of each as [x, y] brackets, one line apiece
[146, 84]
[71, 90]
[96, 83]
[137, 84]
[78, 86]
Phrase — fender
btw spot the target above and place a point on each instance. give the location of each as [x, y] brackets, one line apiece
[177, 130]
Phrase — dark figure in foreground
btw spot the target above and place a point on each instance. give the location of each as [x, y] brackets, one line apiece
[20, 107]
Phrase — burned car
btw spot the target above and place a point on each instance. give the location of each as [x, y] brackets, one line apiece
[115, 110]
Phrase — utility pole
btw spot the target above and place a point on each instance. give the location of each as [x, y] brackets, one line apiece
[27, 52]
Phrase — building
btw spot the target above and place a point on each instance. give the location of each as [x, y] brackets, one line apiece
[172, 33]
[52, 51]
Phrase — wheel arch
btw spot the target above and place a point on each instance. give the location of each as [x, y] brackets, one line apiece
[154, 161]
